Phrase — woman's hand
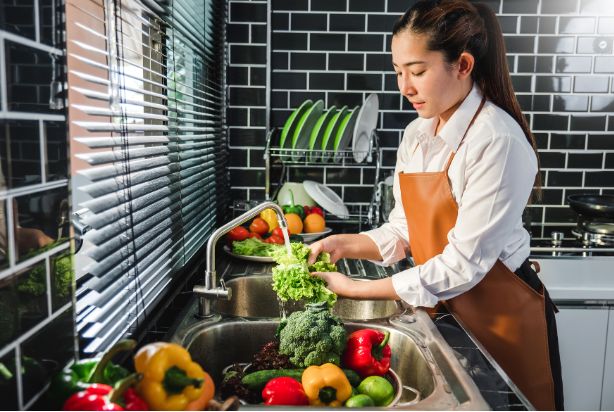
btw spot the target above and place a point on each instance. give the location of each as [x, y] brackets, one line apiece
[337, 282]
[331, 244]
[345, 246]
[379, 289]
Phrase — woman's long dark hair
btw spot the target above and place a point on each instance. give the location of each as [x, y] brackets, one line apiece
[455, 26]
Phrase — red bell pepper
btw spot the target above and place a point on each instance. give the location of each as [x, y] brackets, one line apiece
[284, 391]
[316, 210]
[101, 397]
[367, 352]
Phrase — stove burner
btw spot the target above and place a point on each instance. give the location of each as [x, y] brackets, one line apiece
[598, 227]
[594, 231]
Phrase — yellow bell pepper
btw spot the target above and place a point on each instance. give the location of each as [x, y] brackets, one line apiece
[269, 216]
[326, 385]
[170, 379]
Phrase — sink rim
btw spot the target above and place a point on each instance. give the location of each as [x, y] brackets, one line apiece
[422, 328]
[380, 308]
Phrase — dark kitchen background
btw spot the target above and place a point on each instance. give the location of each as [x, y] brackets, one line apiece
[560, 54]
[280, 53]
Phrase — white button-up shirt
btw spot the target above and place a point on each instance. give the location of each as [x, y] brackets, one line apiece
[491, 177]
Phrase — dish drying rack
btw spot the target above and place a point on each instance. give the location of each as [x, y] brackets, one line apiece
[274, 156]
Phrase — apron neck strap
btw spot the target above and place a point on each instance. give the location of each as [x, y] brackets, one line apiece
[477, 112]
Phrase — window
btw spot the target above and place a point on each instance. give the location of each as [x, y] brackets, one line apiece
[147, 125]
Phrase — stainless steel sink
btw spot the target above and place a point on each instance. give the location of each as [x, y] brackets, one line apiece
[253, 297]
[421, 358]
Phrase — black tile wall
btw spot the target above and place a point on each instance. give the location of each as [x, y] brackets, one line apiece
[36, 274]
[560, 54]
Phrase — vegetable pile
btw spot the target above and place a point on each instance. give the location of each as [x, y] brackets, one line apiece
[292, 279]
[165, 378]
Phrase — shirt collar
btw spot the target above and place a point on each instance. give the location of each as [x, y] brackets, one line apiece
[454, 129]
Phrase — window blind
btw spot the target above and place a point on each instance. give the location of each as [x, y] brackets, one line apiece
[147, 113]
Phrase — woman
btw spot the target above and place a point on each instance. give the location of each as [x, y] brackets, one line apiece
[465, 170]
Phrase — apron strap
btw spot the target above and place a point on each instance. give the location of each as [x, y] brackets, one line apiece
[449, 162]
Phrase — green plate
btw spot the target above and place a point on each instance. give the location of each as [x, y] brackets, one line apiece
[345, 132]
[317, 134]
[331, 130]
[292, 121]
[300, 138]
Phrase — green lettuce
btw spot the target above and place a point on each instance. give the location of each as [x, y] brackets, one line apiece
[292, 279]
[255, 247]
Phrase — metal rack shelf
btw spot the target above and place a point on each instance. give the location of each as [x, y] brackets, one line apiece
[274, 156]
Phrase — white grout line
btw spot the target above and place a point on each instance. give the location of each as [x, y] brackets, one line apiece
[24, 337]
[18, 376]
[37, 23]
[28, 190]
[10, 229]
[43, 150]
[49, 288]
[3, 81]
[16, 267]
[25, 115]
[30, 43]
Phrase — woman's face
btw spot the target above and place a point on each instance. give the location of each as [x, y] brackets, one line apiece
[431, 85]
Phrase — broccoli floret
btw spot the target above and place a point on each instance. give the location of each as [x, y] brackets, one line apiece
[312, 337]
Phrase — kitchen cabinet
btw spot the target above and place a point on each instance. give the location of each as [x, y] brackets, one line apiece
[607, 396]
[583, 334]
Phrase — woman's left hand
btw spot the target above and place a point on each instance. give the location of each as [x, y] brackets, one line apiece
[355, 289]
[336, 282]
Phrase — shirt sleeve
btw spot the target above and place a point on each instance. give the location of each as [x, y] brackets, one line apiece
[499, 178]
[392, 238]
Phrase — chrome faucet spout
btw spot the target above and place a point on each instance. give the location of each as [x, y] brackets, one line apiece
[210, 291]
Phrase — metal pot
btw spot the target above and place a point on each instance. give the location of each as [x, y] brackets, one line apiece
[592, 206]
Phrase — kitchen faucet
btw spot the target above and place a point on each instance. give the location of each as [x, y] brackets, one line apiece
[210, 291]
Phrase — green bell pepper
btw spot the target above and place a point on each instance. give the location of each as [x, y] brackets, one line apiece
[292, 208]
[80, 375]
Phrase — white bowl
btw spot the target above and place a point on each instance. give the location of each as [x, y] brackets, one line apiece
[300, 195]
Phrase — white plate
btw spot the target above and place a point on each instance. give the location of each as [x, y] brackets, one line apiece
[308, 237]
[326, 198]
[262, 259]
[365, 124]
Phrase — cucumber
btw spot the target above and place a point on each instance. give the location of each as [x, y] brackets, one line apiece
[257, 380]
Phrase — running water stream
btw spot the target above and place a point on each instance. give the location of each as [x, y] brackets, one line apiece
[282, 308]
[284, 230]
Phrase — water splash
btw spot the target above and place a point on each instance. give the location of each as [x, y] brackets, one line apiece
[282, 308]
[284, 230]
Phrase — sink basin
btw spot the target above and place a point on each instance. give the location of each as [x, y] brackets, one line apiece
[237, 341]
[420, 356]
[253, 297]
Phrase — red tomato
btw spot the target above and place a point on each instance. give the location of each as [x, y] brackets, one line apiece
[238, 233]
[274, 239]
[277, 232]
[259, 225]
[256, 235]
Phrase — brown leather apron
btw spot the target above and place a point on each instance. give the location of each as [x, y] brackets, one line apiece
[502, 312]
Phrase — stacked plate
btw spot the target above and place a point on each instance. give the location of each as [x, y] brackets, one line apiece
[320, 135]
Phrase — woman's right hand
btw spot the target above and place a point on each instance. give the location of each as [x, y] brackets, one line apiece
[332, 244]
